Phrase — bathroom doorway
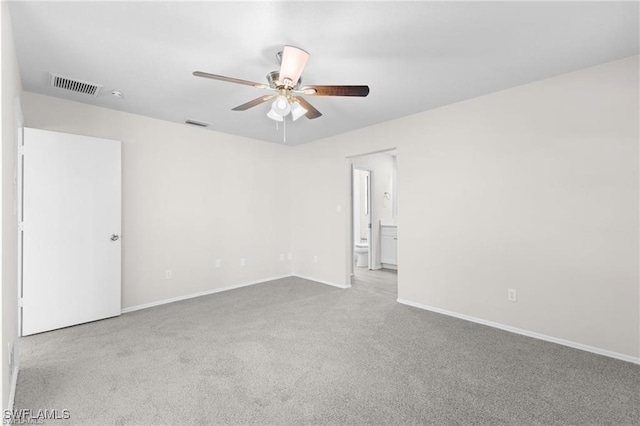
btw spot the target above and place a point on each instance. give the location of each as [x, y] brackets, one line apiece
[363, 247]
[373, 237]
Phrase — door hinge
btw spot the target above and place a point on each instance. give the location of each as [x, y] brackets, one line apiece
[21, 150]
[20, 226]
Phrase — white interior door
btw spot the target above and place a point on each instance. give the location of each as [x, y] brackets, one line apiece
[369, 219]
[71, 230]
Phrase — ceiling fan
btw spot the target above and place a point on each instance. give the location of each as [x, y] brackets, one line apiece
[286, 88]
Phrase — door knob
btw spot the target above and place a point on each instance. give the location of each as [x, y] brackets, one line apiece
[114, 237]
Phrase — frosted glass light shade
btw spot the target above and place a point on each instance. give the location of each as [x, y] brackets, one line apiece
[272, 115]
[281, 106]
[297, 110]
[293, 62]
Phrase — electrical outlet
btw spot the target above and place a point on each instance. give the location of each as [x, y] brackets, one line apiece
[243, 262]
[218, 263]
[282, 257]
[10, 357]
[315, 259]
[168, 274]
[512, 295]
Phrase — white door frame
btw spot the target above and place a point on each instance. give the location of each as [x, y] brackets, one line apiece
[19, 206]
[369, 213]
[350, 227]
[349, 191]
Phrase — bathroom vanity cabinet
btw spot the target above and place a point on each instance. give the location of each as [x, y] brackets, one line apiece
[389, 246]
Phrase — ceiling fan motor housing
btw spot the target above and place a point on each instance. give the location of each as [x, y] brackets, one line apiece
[274, 81]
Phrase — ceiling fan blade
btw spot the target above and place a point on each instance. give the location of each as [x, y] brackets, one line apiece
[230, 79]
[251, 104]
[335, 90]
[293, 61]
[311, 111]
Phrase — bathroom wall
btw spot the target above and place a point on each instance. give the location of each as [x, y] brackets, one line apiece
[381, 167]
[360, 215]
[190, 196]
[364, 213]
[534, 188]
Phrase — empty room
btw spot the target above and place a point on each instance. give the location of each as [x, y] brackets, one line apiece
[308, 212]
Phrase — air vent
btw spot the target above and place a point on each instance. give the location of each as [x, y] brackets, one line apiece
[197, 123]
[73, 85]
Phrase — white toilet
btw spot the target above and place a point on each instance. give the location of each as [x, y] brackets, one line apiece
[361, 251]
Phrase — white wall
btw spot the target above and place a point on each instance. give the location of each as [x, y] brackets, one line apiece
[381, 167]
[533, 188]
[190, 196]
[11, 90]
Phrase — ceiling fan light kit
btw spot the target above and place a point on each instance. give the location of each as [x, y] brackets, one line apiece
[285, 105]
[285, 84]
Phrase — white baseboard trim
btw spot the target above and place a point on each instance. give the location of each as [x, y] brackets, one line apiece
[322, 281]
[202, 293]
[12, 390]
[564, 342]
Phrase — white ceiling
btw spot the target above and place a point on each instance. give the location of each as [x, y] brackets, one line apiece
[414, 56]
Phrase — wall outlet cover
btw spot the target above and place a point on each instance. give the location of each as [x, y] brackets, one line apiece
[10, 356]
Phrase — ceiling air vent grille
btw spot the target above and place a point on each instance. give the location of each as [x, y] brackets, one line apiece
[74, 85]
[197, 123]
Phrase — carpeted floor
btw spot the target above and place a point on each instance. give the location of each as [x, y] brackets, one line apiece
[291, 352]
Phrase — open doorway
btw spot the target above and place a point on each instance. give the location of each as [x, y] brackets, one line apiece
[361, 219]
[373, 242]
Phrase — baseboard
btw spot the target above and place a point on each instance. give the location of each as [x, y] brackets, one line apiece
[12, 390]
[564, 342]
[322, 281]
[202, 293]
